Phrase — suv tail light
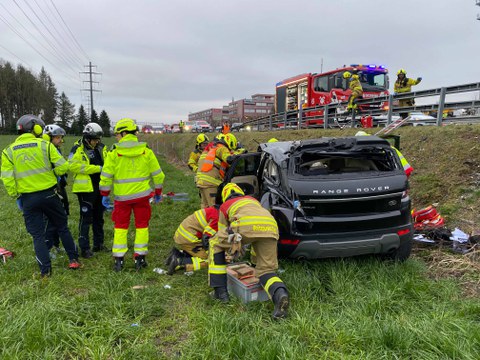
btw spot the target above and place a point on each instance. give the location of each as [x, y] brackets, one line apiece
[403, 232]
[289, 241]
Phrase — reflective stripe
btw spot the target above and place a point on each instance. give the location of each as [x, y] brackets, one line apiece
[105, 187]
[141, 245]
[76, 181]
[60, 162]
[141, 252]
[132, 180]
[254, 220]
[221, 226]
[116, 246]
[129, 144]
[196, 263]
[272, 281]
[201, 218]
[43, 146]
[23, 174]
[208, 179]
[82, 168]
[159, 171]
[7, 173]
[233, 209]
[219, 269]
[159, 186]
[210, 231]
[107, 175]
[133, 196]
[186, 234]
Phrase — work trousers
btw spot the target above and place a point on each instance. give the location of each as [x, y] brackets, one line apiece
[266, 257]
[91, 215]
[121, 217]
[36, 207]
[195, 256]
[207, 196]
[51, 233]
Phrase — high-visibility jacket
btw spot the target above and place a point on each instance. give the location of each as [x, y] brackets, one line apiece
[128, 168]
[212, 166]
[225, 128]
[31, 164]
[244, 215]
[356, 86]
[406, 166]
[193, 159]
[191, 230]
[405, 85]
[81, 168]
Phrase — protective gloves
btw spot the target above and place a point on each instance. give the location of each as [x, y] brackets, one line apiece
[106, 203]
[20, 204]
[205, 241]
[157, 198]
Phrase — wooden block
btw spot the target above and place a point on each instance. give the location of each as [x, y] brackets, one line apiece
[247, 270]
[250, 280]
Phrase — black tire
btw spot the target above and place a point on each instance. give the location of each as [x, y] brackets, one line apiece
[402, 253]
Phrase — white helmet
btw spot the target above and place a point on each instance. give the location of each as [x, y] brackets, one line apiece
[54, 130]
[92, 131]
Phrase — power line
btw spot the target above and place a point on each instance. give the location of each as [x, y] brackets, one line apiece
[18, 57]
[73, 36]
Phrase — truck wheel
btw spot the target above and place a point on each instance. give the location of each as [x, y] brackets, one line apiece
[402, 253]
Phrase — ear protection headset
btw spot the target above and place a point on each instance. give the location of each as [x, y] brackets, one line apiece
[37, 130]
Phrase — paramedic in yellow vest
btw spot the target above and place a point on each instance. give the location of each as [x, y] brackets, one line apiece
[201, 142]
[192, 237]
[30, 167]
[212, 165]
[128, 170]
[86, 160]
[356, 87]
[406, 166]
[242, 220]
[403, 85]
[181, 126]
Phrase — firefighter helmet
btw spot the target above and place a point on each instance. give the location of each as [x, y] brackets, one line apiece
[202, 138]
[362, 133]
[231, 141]
[347, 75]
[92, 131]
[53, 130]
[30, 123]
[220, 137]
[401, 71]
[125, 124]
[231, 189]
[272, 140]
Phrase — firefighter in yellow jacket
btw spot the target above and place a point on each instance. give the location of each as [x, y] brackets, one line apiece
[404, 85]
[30, 167]
[128, 169]
[202, 141]
[192, 237]
[212, 165]
[242, 220]
[356, 87]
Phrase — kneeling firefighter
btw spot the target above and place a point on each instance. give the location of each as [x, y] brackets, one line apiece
[192, 237]
[242, 220]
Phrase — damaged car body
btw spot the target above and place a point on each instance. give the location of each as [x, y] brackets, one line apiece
[331, 197]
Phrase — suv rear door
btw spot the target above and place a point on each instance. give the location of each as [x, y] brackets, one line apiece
[244, 172]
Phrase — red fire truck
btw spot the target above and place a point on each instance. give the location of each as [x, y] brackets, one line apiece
[312, 89]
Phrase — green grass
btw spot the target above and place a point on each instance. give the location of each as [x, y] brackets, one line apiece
[357, 308]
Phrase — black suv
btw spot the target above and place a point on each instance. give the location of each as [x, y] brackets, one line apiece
[331, 197]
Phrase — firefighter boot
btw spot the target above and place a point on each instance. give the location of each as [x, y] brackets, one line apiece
[221, 294]
[118, 265]
[176, 262]
[173, 251]
[281, 302]
[140, 261]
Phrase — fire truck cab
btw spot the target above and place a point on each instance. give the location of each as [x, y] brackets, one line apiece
[311, 89]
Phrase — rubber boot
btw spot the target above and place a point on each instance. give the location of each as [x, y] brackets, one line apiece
[281, 302]
[140, 261]
[221, 294]
[176, 262]
[118, 266]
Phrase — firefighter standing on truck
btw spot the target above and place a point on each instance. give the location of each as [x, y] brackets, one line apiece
[212, 165]
[192, 237]
[54, 134]
[404, 85]
[129, 168]
[201, 142]
[30, 167]
[242, 220]
[86, 160]
[357, 90]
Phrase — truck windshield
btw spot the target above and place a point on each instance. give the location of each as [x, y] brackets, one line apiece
[373, 81]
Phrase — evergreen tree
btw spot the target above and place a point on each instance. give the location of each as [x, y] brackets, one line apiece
[48, 97]
[104, 122]
[94, 117]
[80, 121]
[66, 112]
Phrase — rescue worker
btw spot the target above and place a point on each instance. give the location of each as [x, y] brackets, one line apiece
[242, 220]
[54, 134]
[30, 167]
[406, 166]
[130, 165]
[403, 85]
[356, 88]
[192, 237]
[201, 142]
[181, 126]
[86, 160]
[225, 128]
[212, 165]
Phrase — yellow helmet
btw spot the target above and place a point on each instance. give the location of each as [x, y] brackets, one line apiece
[362, 133]
[125, 124]
[220, 137]
[231, 141]
[230, 189]
[401, 71]
[347, 75]
[201, 138]
[272, 140]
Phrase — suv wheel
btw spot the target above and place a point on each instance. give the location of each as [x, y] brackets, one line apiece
[402, 253]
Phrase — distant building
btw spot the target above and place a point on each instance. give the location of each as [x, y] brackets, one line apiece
[212, 116]
[248, 109]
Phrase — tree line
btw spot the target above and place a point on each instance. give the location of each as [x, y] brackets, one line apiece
[22, 92]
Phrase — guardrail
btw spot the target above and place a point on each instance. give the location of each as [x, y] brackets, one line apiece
[382, 109]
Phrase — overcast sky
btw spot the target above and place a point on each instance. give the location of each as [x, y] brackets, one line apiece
[161, 59]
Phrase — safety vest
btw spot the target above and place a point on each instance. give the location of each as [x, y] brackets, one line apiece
[81, 168]
[212, 166]
[129, 167]
[191, 230]
[31, 164]
[406, 166]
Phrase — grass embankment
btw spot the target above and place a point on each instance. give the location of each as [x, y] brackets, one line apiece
[344, 308]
